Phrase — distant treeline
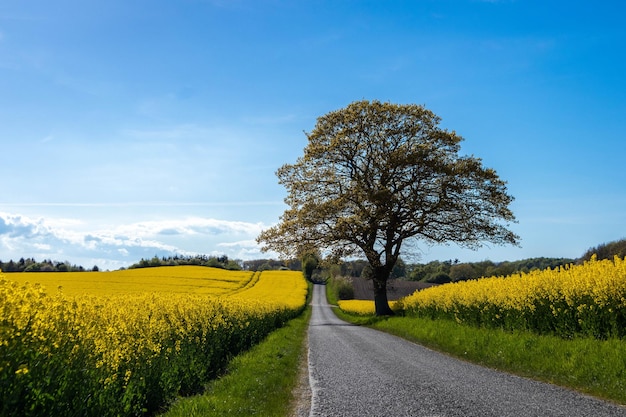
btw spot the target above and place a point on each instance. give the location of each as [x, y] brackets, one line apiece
[199, 260]
[47, 265]
[441, 272]
[435, 271]
[607, 250]
[269, 264]
[217, 262]
[451, 271]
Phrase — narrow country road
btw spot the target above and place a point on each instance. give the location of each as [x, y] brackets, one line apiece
[356, 371]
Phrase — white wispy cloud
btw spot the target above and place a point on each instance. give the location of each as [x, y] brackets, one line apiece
[121, 244]
[189, 226]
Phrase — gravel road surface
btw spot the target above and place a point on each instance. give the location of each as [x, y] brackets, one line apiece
[356, 371]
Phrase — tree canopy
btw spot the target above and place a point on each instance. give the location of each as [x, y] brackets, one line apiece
[607, 250]
[375, 175]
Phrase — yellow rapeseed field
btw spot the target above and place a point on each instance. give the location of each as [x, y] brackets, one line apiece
[186, 279]
[587, 299]
[363, 307]
[128, 342]
[286, 288]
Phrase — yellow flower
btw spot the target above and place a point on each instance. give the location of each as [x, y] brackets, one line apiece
[22, 370]
[588, 298]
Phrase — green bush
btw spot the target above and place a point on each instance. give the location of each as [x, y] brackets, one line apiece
[341, 288]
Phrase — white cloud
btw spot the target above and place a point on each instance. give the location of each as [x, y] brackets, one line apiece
[188, 227]
[246, 249]
[118, 245]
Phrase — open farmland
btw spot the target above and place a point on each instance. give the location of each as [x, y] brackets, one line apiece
[587, 300]
[128, 342]
[172, 279]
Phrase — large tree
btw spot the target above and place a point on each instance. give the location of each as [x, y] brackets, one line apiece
[375, 176]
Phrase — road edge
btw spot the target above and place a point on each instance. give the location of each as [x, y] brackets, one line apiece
[302, 392]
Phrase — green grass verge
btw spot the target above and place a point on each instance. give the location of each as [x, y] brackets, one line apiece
[258, 382]
[331, 295]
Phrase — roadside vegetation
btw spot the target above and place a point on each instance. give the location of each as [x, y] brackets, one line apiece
[47, 265]
[258, 382]
[586, 300]
[565, 326]
[132, 353]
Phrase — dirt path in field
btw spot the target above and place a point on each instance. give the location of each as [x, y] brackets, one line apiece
[357, 371]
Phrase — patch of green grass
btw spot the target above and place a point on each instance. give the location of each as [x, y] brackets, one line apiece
[331, 295]
[332, 298]
[259, 382]
[596, 367]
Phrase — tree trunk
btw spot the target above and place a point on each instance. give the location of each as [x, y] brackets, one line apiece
[380, 295]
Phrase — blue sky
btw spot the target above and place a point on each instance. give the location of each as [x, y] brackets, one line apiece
[135, 128]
